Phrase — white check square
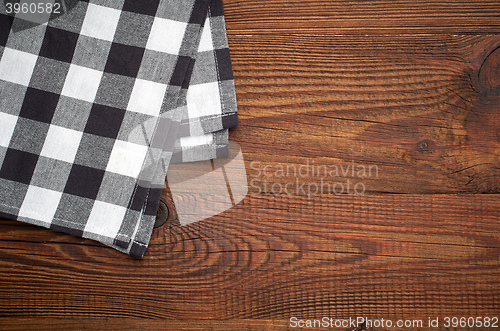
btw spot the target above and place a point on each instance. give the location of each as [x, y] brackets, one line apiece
[166, 36]
[16, 66]
[105, 219]
[61, 143]
[206, 43]
[127, 158]
[40, 204]
[100, 22]
[204, 100]
[192, 141]
[81, 83]
[7, 126]
[147, 97]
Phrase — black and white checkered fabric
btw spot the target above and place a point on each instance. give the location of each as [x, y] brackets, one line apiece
[96, 103]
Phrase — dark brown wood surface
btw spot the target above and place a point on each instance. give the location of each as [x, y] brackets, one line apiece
[410, 88]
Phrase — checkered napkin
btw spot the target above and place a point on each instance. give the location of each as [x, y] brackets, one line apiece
[96, 103]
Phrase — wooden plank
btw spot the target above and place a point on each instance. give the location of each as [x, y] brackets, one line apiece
[42, 324]
[48, 324]
[423, 110]
[272, 257]
[410, 87]
[363, 17]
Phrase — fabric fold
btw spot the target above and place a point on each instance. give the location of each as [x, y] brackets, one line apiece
[96, 103]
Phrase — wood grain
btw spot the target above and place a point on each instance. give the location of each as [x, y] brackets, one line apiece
[363, 17]
[47, 324]
[420, 108]
[272, 258]
[411, 87]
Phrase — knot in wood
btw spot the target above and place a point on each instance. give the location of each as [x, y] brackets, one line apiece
[489, 73]
[424, 145]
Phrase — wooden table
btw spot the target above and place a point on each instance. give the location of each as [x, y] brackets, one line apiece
[411, 88]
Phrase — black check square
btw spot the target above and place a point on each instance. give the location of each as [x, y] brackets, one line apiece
[137, 250]
[104, 121]
[152, 208]
[145, 7]
[39, 105]
[84, 181]
[224, 64]
[199, 12]
[230, 121]
[5, 25]
[180, 71]
[124, 60]
[137, 202]
[189, 72]
[59, 44]
[69, 228]
[216, 8]
[18, 166]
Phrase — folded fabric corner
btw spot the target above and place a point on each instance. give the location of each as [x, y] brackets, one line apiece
[97, 101]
